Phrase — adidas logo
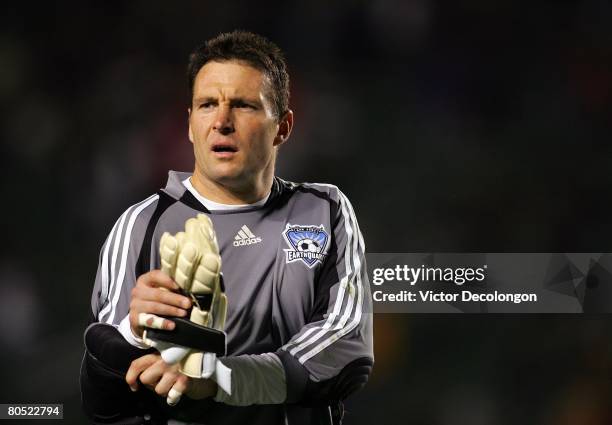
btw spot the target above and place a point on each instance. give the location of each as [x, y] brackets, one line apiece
[245, 237]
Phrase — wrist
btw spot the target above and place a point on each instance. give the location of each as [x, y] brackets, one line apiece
[137, 332]
[129, 335]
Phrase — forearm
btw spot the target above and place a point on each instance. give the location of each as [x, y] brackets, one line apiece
[256, 379]
[274, 378]
[104, 391]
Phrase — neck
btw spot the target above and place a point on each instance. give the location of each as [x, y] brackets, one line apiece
[232, 194]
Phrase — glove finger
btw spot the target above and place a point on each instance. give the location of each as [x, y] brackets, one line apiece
[205, 220]
[212, 262]
[185, 265]
[181, 239]
[202, 231]
[200, 317]
[206, 275]
[206, 227]
[168, 252]
[170, 353]
[220, 312]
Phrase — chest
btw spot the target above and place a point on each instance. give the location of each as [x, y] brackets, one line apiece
[270, 267]
[271, 264]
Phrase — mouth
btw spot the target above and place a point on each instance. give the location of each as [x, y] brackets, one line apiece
[224, 149]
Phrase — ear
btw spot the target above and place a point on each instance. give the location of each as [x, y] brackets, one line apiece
[284, 128]
[189, 123]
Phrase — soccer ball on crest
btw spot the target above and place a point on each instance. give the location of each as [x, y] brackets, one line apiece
[308, 245]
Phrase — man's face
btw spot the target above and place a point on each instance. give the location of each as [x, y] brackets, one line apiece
[232, 125]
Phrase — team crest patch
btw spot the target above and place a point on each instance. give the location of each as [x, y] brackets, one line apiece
[306, 243]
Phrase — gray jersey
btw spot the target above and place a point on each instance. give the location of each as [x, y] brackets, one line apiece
[295, 278]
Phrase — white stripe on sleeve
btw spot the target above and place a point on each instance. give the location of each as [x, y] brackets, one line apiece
[357, 317]
[339, 297]
[116, 242]
[112, 306]
[352, 280]
[104, 278]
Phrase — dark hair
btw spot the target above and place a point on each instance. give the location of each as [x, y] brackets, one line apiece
[255, 50]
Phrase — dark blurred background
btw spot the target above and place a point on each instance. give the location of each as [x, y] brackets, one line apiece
[452, 126]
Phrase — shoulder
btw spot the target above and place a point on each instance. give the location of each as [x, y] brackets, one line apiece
[324, 192]
[142, 210]
[136, 216]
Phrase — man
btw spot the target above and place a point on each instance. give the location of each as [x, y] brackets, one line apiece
[299, 325]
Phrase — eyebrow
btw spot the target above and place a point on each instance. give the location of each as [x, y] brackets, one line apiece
[204, 99]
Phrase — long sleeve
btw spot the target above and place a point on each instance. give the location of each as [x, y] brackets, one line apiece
[332, 355]
[256, 379]
[105, 395]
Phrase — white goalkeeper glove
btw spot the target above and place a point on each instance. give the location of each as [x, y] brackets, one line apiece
[192, 259]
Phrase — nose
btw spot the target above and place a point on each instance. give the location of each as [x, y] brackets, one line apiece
[223, 121]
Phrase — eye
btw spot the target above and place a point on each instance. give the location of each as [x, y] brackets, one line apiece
[207, 105]
[243, 105]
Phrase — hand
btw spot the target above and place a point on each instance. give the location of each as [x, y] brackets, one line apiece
[160, 377]
[153, 294]
[156, 375]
